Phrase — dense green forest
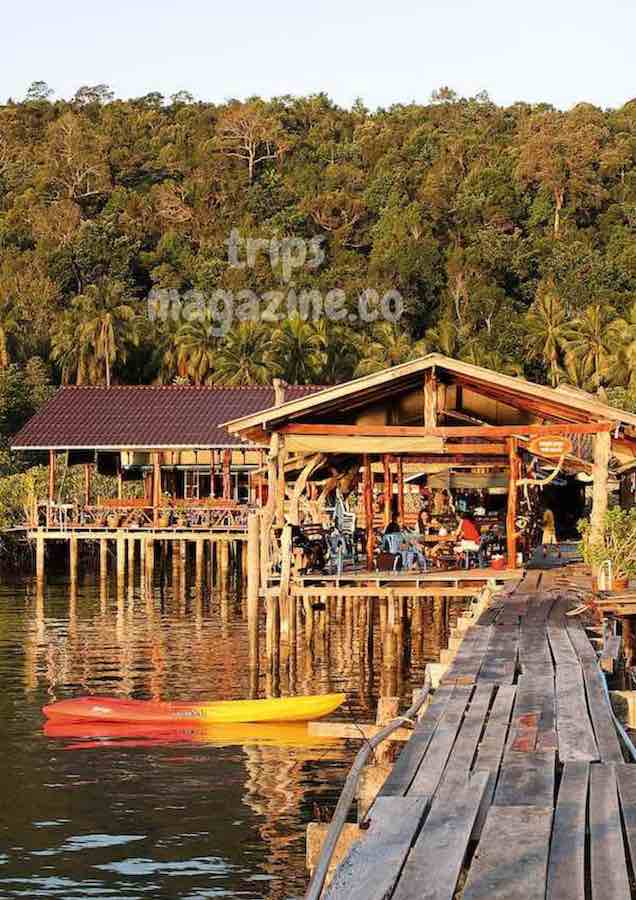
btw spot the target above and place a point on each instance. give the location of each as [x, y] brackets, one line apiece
[508, 232]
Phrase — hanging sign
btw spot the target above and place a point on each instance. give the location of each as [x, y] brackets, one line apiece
[551, 445]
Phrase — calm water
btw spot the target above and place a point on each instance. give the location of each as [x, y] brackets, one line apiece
[196, 815]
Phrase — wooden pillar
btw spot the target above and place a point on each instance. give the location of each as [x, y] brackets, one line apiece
[280, 481]
[430, 399]
[156, 486]
[511, 516]
[227, 476]
[253, 585]
[198, 563]
[261, 480]
[388, 488]
[87, 484]
[131, 560]
[285, 577]
[600, 470]
[72, 557]
[212, 472]
[150, 563]
[103, 559]
[39, 557]
[368, 509]
[121, 558]
[400, 489]
[51, 487]
[120, 483]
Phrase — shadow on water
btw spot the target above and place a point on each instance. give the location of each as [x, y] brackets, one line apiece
[185, 815]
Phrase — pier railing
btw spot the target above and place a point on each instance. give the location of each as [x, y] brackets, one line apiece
[136, 514]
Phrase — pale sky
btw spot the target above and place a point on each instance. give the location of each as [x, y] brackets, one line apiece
[558, 51]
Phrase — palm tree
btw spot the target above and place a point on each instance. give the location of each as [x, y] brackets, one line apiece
[385, 346]
[71, 348]
[622, 367]
[298, 349]
[341, 352]
[244, 356]
[95, 333]
[590, 345]
[197, 346]
[547, 332]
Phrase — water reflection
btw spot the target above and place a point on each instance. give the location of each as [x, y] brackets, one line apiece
[188, 813]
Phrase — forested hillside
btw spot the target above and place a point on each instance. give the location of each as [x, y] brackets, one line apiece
[508, 232]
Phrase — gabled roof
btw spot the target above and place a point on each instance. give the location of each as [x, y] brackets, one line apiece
[371, 387]
[135, 416]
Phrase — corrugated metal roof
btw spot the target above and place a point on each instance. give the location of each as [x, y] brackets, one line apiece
[145, 416]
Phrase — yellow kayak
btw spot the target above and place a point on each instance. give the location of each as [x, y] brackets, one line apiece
[114, 709]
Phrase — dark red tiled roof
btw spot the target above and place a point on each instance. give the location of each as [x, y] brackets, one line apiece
[145, 416]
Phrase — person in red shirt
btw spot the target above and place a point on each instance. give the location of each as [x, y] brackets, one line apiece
[467, 530]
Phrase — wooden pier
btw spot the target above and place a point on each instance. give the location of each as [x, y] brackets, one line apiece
[514, 782]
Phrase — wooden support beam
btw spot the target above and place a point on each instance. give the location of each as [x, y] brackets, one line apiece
[400, 489]
[388, 488]
[87, 484]
[156, 486]
[51, 485]
[253, 585]
[212, 472]
[450, 431]
[368, 510]
[511, 516]
[227, 476]
[600, 475]
[430, 399]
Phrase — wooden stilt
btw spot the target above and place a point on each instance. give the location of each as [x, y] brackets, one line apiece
[121, 558]
[131, 561]
[103, 559]
[72, 557]
[253, 586]
[198, 564]
[149, 563]
[600, 474]
[39, 559]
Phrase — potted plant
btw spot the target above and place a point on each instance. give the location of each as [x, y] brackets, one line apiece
[616, 545]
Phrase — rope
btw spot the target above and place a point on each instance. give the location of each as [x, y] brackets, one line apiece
[348, 792]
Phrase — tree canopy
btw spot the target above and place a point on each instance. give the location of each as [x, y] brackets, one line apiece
[509, 234]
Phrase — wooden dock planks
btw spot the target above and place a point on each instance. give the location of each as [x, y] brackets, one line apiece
[442, 844]
[511, 860]
[372, 867]
[526, 779]
[566, 869]
[608, 865]
[576, 738]
[482, 732]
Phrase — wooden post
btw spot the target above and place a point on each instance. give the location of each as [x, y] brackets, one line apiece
[430, 399]
[87, 484]
[253, 585]
[198, 564]
[156, 486]
[227, 476]
[212, 472]
[121, 558]
[285, 576]
[72, 557]
[600, 469]
[120, 483]
[400, 489]
[51, 487]
[280, 482]
[103, 559]
[388, 488]
[368, 509]
[150, 563]
[511, 516]
[39, 558]
[131, 561]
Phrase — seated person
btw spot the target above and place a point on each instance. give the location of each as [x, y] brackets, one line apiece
[411, 551]
[467, 534]
[392, 537]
